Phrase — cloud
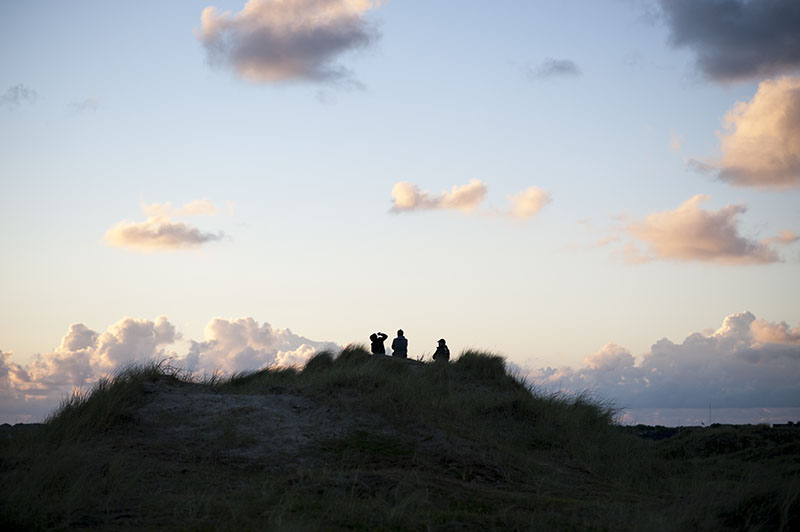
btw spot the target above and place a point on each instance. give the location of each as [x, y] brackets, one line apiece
[242, 344]
[785, 238]
[761, 139]
[735, 39]
[465, 198]
[78, 362]
[17, 95]
[551, 68]
[28, 393]
[690, 233]
[159, 232]
[775, 333]
[529, 202]
[737, 366]
[90, 104]
[201, 207]
[272, 41]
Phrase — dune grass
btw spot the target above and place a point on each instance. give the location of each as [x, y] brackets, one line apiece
[434, 446]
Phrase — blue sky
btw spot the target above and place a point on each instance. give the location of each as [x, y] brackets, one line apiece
[129, 111]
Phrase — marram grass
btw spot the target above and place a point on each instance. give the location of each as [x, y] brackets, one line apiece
[355, 442]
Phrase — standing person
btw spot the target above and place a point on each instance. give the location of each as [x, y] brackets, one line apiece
[400, 345]
[377, 343]
[442, 352]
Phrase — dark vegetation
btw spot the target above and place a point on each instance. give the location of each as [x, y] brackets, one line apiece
[354, 442]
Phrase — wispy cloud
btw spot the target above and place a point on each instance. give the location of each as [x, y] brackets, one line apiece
[551, 68]
[408, 197]
[87, 105]
[745, 363]
[761, 138]
[737, 39]
[784, 238]
[690, 233]
[159, 232]
[272, 41]
[17, 95]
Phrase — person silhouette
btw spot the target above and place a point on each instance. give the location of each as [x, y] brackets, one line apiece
[442, 352]
[400, 345]
[377, 343]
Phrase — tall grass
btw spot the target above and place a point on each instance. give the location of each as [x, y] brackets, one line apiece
[468, 446]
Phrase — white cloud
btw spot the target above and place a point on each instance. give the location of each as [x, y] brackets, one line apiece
[282, 40]
[760, 142]
[159, 232]
[28, 393]
[738, 366]
[690, 233]
[78, 362]
[242, 344]
[466, 198]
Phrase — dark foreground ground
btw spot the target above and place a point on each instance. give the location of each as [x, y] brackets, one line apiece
[359, 443]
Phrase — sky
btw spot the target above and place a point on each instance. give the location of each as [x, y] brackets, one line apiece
[605, 193]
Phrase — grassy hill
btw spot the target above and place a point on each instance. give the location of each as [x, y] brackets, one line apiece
[354, 442]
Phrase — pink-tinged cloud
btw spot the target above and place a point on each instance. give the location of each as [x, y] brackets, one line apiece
[241, 344]
[775, 333]
[82, 357]
[784, 238]
[528, 203]
[467, 199]
[690, 233]
[745, 363]
[28, 393]
[761, 138]
[272, 41]
[160, 233]
[201, 207]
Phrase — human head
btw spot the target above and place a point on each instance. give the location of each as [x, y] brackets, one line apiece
[441, 341]
[399, 332]
[373, 337]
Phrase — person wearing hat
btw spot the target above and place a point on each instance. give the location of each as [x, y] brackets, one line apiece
[442, 352]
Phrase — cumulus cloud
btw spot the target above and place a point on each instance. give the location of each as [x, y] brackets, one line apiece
[159, 232]
[551, 68]
[737, 39]
[284, 40]
[761, 138]
[775, 333]
[736, 366]
[28, 393]
[78, 362]
[242, 344]
[465, 198]
[17, 95]
[690, 233]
